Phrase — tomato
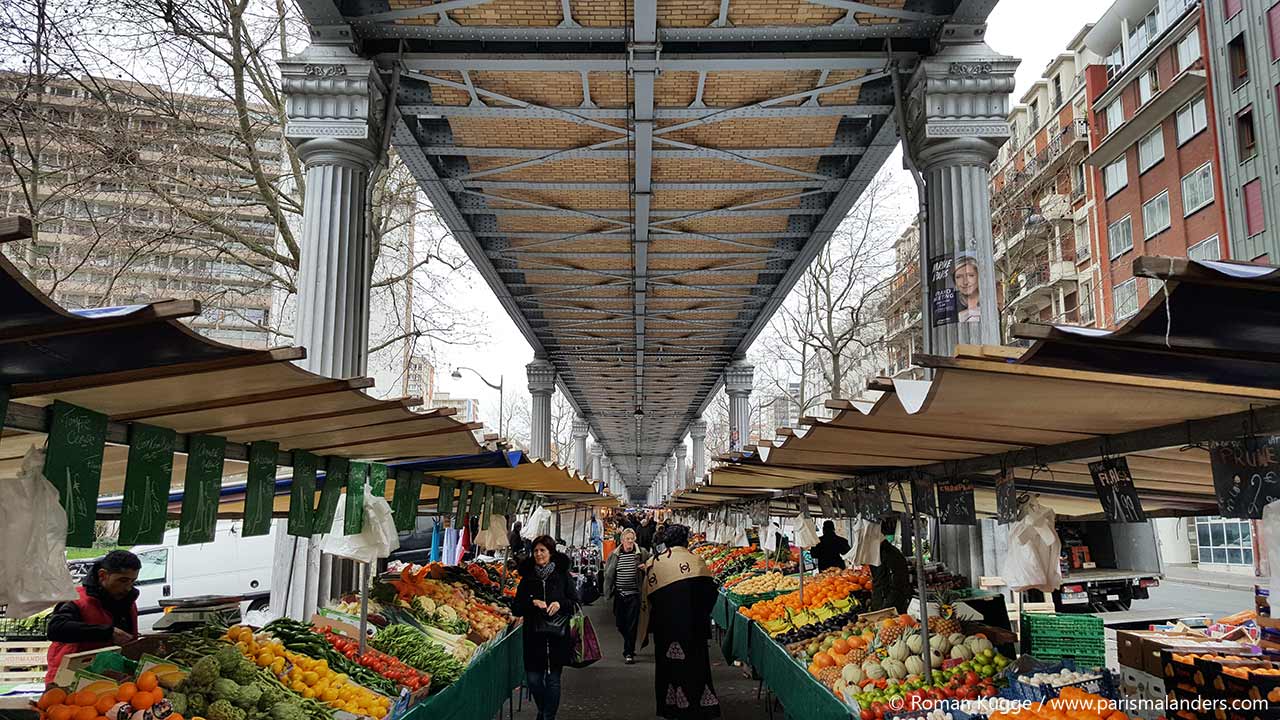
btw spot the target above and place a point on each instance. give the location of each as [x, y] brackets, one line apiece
[971, 678]
[867, 714]
[989, 691]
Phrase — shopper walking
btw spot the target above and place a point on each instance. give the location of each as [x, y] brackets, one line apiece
[622, 586]
[546, 599]
[644, 534]
[827, 553]
[891, 579]
[676, 601]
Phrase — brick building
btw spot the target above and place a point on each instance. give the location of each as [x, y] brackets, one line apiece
[1153, 148]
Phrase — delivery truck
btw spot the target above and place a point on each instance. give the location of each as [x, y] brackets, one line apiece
[1105, 565]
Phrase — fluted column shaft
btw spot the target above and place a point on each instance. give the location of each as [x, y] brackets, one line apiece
[698, 439]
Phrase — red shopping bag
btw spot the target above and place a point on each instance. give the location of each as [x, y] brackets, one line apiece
[586, 648]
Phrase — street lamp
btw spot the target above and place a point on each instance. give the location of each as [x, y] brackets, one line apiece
[457, 375]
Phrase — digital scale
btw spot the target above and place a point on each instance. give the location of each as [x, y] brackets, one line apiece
[193, 612]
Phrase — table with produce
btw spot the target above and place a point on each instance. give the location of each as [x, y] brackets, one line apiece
[442, 639]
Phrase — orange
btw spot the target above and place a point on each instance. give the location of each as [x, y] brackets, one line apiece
[142, 700]
[174, 716]
[840, 646]
[105, 702]
[85, 713]
[823, 660]
[125, 692]
[61, 712]
[84, 698]
[147, 681]
[51, 697]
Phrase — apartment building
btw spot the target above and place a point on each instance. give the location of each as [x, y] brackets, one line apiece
[1245, 39]
[903, 320]
[1040, 199]
[1153, 153]
[107, 174]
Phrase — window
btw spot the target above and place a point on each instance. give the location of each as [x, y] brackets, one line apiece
[1188, 50]
[1086, 302]
[1082, 241]
[1120, 237]
[1115, 176]
[1155, 286]
[155, 566]
[1150, 149]
[1114, 115]
[1155, 215]
[1255, 220]
[1206, 249]
[1057, 91]
[1273, 31]
[1191, 120]
[1197, 188]
[1231, 8]
[1125, 297]
[1246, 141]
[1238, 56]
[1148, 86]
[1035, 115]
[1224, 541]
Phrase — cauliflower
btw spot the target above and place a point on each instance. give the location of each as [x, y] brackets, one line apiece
[248, 697]
[225, 689]
[424, 605]
[448, 613]
[224, 710]
[287, 711]
[228, 658]
[204, 672]
[178, 701]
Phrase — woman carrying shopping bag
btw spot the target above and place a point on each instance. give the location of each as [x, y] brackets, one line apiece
[545, 599]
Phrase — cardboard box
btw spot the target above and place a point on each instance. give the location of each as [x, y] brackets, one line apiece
[1140, 649]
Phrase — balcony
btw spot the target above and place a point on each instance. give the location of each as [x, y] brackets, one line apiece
[899, 323]
[1034, 289]
[1046, 163]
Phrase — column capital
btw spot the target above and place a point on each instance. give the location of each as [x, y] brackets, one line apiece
[333, 105]
[739, 377]
[682, 451]
[698, 429]
[957, 102]
[580, 428]
[542, 377]
[597, 452]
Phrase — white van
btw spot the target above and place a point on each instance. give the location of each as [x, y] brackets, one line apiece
[230, 565]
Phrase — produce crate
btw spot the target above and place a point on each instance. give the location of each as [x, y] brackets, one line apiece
[1065, 636]
[1062, 625]
[24, 629]
[23, 662]
[742, 600]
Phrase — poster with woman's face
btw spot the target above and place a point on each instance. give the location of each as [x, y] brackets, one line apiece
[942, 291]
[966, 283]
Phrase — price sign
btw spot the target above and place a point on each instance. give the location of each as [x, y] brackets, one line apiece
[337, 470]
[353, 513]
[873, 497]
[73, 463]
[302, 494]
[1246, 475]
[378, 480]
[201, 490]
[260, 488]
[923, 499]
[1006, 498]
[146, 485]
[955, 502]
[404, 504]
[1115, 488]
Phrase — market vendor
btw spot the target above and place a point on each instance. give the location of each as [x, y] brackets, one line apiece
[891, 579]
[830, 548]
[106, 613]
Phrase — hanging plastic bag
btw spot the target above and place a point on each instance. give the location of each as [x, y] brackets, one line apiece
[33, 538]
[806, 534]
[864, 543]
[493, 537]
[1031, 562]
[1271, 543]
[377, 540]
[769, 537]
[533, 527]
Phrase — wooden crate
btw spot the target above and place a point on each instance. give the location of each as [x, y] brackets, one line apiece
[23, 661]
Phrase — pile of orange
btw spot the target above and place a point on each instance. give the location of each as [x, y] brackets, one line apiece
[823, 588]
[58, 704]
[1071, 704]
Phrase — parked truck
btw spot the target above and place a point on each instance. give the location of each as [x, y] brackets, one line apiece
[1106, 566]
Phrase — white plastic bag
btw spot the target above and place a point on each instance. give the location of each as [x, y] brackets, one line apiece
[769, 537]
[741, 539]
[534, 526]
[864, 543]
[33, 542]
[495, 536]
[1031, 562]
[1271, 543]
[372, 542]
[806, 534]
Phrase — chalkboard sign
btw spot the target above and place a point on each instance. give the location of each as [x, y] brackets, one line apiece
[302, 494]
[353, 515]
[501, 502]
[1006, 498]
[521, 498]
[260, 488]
[1115, 489]
[444, 502]
[464, 500]
[404, 505]
[824, 503]
[923, 499]
[378, 480]
[955, 502]
[335, 479]
[146, 485]
[202, 488]
[848, 502]
[486, 507]
[1246, 475]
[873, 497]
[73, 464]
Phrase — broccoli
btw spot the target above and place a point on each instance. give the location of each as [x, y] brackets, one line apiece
[204, 672]
[178, 701]
[225, 689]
[248, 697]
[287, 711]
[224, 710]
[198, 704]
[228, 657]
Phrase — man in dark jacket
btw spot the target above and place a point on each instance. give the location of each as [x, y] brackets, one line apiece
[827, 553]
[644, 533]
[106, 613]
[891, 579]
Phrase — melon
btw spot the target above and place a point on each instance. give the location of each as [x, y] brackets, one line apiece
[899, 651]
[894, 668]
[960, 652]
[956, 639]
[873, 670]
[978, 644]
[915, 643]
[939, 643]
[852, 673]
[915, 666]
[936, 658]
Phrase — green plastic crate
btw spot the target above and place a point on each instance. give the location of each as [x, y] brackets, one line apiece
[1061, 625]
[113, 662]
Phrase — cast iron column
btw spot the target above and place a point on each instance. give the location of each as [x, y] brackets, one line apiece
[682, 452]
[698, 437]
[738, 381]
[580, 433]
[542, 383]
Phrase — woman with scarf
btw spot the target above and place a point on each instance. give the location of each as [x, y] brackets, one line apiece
[546, 599]
[676, 601]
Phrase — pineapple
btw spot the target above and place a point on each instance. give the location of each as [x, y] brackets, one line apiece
[889, 633]
[948, 623]
[857, 656]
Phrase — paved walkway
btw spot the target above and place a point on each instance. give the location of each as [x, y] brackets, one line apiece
[1193, 575]
[611, 690]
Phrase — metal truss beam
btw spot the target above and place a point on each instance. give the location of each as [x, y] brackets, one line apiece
[673, 235]
[605, 214]
[438, 9]
[708, 62]
[769, 252]
[878, 11]
[460, 185]
[598, 113]
[755, 34]
[612, 154]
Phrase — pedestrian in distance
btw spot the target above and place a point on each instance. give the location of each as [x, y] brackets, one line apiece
[546, 600]
[644, 534]
[830, 548]
[891, 579]
[675, 607]
[622, 585]
[104, 614]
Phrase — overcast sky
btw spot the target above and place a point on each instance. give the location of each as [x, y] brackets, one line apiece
[1033, 30]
